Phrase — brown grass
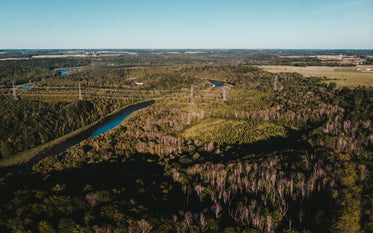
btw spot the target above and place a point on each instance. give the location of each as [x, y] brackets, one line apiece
[346, 76]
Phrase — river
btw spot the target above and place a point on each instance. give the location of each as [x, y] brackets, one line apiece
[63, 72]
[118, 118]
[25, 87]
[217, 83]
[100, 128]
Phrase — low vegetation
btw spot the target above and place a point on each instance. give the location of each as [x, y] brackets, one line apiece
[233, 132]
[343, 77]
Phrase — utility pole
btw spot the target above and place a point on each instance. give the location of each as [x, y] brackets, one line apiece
[191, 102]
[14, 92]
[341, 58]
[275, 84]
[80, 93]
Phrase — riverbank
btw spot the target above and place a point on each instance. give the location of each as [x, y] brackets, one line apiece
[33, 155]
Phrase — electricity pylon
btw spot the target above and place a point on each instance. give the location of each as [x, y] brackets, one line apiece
[275, 84]
[80, 93]
[14, 92]
[191, 102]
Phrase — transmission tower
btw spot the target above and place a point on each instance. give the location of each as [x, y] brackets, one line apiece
[80, 93]
[341, 58]
[191, 102]
[14, 92]
[224, 95]
[275, 84]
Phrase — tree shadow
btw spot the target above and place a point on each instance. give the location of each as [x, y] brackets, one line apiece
[264, 148]
[138, 181]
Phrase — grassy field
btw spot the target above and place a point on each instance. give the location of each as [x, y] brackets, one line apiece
[345, 76]
[232, 132]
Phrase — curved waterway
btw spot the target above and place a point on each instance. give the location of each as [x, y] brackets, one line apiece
[117, 119]
[63, 72]
[25, 87]
[101, 127]
[98, 129]
[216, 83]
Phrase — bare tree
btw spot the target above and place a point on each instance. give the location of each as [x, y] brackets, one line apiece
[144, 226]
[217, 209]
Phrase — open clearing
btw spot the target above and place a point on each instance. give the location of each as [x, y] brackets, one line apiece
[231, 132]
[344, 76]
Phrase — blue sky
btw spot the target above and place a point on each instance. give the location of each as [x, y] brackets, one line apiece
[244, 24]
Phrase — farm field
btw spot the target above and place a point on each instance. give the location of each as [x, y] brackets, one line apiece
[346, 76]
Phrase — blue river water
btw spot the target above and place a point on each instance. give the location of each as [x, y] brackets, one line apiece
[63, 72]
[116, 120]
[216, 84]
[98, 129]
[25, 87]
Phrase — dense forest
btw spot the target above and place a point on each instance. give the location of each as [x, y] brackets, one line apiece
[297, 159]
[29, 123]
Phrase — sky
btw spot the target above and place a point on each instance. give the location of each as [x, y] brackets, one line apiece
[186, 24]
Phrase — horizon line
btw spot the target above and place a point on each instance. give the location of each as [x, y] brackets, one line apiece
[187, 48]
